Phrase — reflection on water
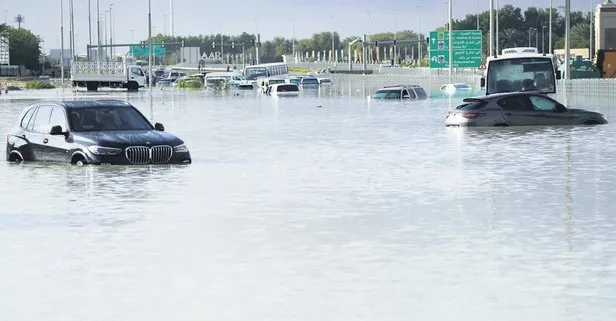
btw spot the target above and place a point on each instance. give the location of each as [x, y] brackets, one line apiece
[322, 206]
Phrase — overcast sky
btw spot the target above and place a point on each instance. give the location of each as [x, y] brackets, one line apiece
[269, 17]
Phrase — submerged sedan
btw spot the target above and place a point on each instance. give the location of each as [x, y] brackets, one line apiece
[92, 132]
[518, 109]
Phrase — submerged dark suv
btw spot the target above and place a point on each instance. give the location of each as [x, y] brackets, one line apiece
[92, 132]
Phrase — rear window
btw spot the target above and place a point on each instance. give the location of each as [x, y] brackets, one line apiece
[287, 88]
[472, 105]
[421, 93]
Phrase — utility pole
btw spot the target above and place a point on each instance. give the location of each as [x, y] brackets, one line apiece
[419, 39]
[567, 40]
[171, 17]
[395, 38]
[71, 34]
[590, 18]
[496, 44]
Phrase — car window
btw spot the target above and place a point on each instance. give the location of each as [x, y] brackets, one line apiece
[542, 103]
[26, 118]
[107, 118]
[58, 118]
[421, 93]
[41, 120]
[137, 71]
[519, 103]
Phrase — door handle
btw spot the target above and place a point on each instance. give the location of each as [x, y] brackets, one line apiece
[45, 141]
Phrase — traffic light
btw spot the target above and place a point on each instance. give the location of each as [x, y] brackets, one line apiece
[182, 42]
[233, 44]
[213, 44]
[142, 44]
[162, 44]
[428, 40]
[395, 42]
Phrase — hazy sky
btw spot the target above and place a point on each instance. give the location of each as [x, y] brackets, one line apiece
[269, 17]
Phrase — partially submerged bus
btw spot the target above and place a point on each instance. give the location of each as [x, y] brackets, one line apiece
[278, 69]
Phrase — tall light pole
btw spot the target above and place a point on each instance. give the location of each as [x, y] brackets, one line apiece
[171, 17]
[497, 28]
[395, 38]
[478, 12]
[567, 40]
[333, 44]
[491, 38]
[550, 28]
[111, 28]
[98, 34]
[369, 45]
[419, 38]
[450, 40]
[62, 42]
[105, 34]
[222, 47]
[542, 39]
[590, 22]
[89, 27]
[71, 34]
[150, 45]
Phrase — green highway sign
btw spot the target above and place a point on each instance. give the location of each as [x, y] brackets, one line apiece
[467, 45]
[137, 51]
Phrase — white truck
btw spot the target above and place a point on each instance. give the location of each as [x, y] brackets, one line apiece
[93, 75]
[520, 68]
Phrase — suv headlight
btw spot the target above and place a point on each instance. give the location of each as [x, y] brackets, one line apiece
[100, 150]
[180, 148]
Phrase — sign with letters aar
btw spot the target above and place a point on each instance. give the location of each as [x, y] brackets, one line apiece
[467, 45]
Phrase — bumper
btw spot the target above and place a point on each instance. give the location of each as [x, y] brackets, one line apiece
[120, 159]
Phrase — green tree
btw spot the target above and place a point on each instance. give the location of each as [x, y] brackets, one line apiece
[24, 48]
[19, 19]
[3, 28]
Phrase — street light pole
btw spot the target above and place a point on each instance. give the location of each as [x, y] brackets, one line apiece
[111, 28]
[333, 44]
[497, 28]
[98, 33]
[71, 33]
[590, 18]
[543, 39]
[89, 27]
[491, 45]
[395, 38]
[450, 41]
[550, 27]
[150, 45]
[62, 42]
[567, 40]
[530, 30]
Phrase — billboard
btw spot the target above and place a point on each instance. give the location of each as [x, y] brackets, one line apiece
[4, 51]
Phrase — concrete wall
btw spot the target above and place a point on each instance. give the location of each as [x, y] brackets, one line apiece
[605, 26]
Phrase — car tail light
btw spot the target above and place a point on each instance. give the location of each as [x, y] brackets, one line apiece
[472, 115]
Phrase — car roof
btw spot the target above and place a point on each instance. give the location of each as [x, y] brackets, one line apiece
[509, 94]
[395, 87]
[91, 103]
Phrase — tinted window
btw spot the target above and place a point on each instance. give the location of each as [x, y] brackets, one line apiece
[520, 73]
[107, 118]
[41, 121]
[26, 118]
[543, 104]
[472, 105]
[58, 117]
[282, 88]
[421, 93]
[516, 103]
[310, 81]
[387, 94]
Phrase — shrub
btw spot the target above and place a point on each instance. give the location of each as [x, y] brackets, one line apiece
[37, 84]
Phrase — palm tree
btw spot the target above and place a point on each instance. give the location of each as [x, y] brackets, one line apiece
[20, 19]
[3, 27]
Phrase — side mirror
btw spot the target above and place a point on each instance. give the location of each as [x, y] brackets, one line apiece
[558, 74]
[56, 130]
[483, 82]
[560, 108]
[159, 127]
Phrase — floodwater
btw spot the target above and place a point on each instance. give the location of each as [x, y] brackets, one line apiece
[322, 207]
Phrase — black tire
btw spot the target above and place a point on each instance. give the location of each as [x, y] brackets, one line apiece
[132, 86]
[78, 160]
[14, 158]
[590, 122]
[501, 125]
[92, 86]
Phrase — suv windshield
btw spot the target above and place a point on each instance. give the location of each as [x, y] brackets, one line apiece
[517, 74]
[107, 118]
